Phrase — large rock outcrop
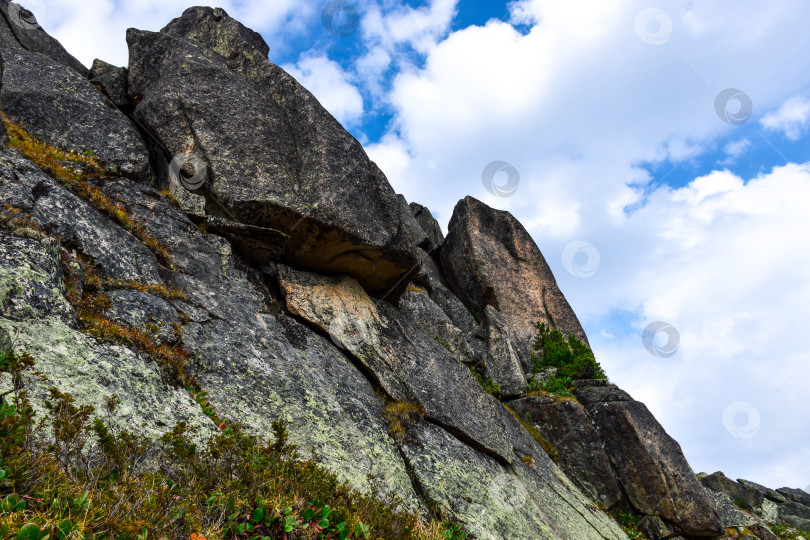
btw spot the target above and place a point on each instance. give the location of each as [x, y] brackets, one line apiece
[291, 280]
[648, 462]
[488, 258]
[19, 29]
[274, 157]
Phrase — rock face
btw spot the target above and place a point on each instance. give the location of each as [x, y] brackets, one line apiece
[19, 29]
[303, 289]
[274, 156]
[429, 225]
[489, 258]
[648, 463]
[566, 425]
[747, 504]
[59, 106]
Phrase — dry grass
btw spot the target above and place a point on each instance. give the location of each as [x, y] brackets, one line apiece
[73, 170]
[399, 415]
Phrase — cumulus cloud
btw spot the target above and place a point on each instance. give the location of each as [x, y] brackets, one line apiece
[723, 260]
[791, 119]
[735, 149]
[97, 28]
[332, 86]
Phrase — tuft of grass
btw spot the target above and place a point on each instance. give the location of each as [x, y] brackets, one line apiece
[159, 290]
[740, 503]
[399, 415]
[73, 170]
[570, 356]
[172, 359]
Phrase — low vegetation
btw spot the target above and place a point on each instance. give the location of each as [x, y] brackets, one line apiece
[74, 170]
[489, 386]
[569, 356]
[399, 415]
[629, 524]
[786, 532]
[69, 474]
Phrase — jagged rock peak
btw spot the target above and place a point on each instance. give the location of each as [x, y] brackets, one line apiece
[273, 156]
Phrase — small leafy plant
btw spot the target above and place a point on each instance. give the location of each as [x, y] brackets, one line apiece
[570, 356]
[489, 386]
[629, 524]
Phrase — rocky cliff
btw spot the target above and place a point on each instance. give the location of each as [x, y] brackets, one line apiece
[198, 224]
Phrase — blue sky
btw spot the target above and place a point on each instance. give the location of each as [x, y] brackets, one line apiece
[649, 200]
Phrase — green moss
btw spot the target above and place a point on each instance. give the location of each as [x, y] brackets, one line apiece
[489, 386]
[548, 448]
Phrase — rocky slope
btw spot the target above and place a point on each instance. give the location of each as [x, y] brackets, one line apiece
[230, 216]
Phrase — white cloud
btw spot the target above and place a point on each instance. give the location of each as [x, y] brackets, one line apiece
[332, 86]
[97, 28]
[725, 262]
[791, 119]
[735, 149]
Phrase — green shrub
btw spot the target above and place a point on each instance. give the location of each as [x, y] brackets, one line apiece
[629, 524]
[786, 532]
[570, 356]
[553, 385]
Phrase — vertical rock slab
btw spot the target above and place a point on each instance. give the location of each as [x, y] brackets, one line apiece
[503, 359]
[488, 258]
[649, 463]
[409, 364]
[273, 156]
[429, 225]
[567, 427]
